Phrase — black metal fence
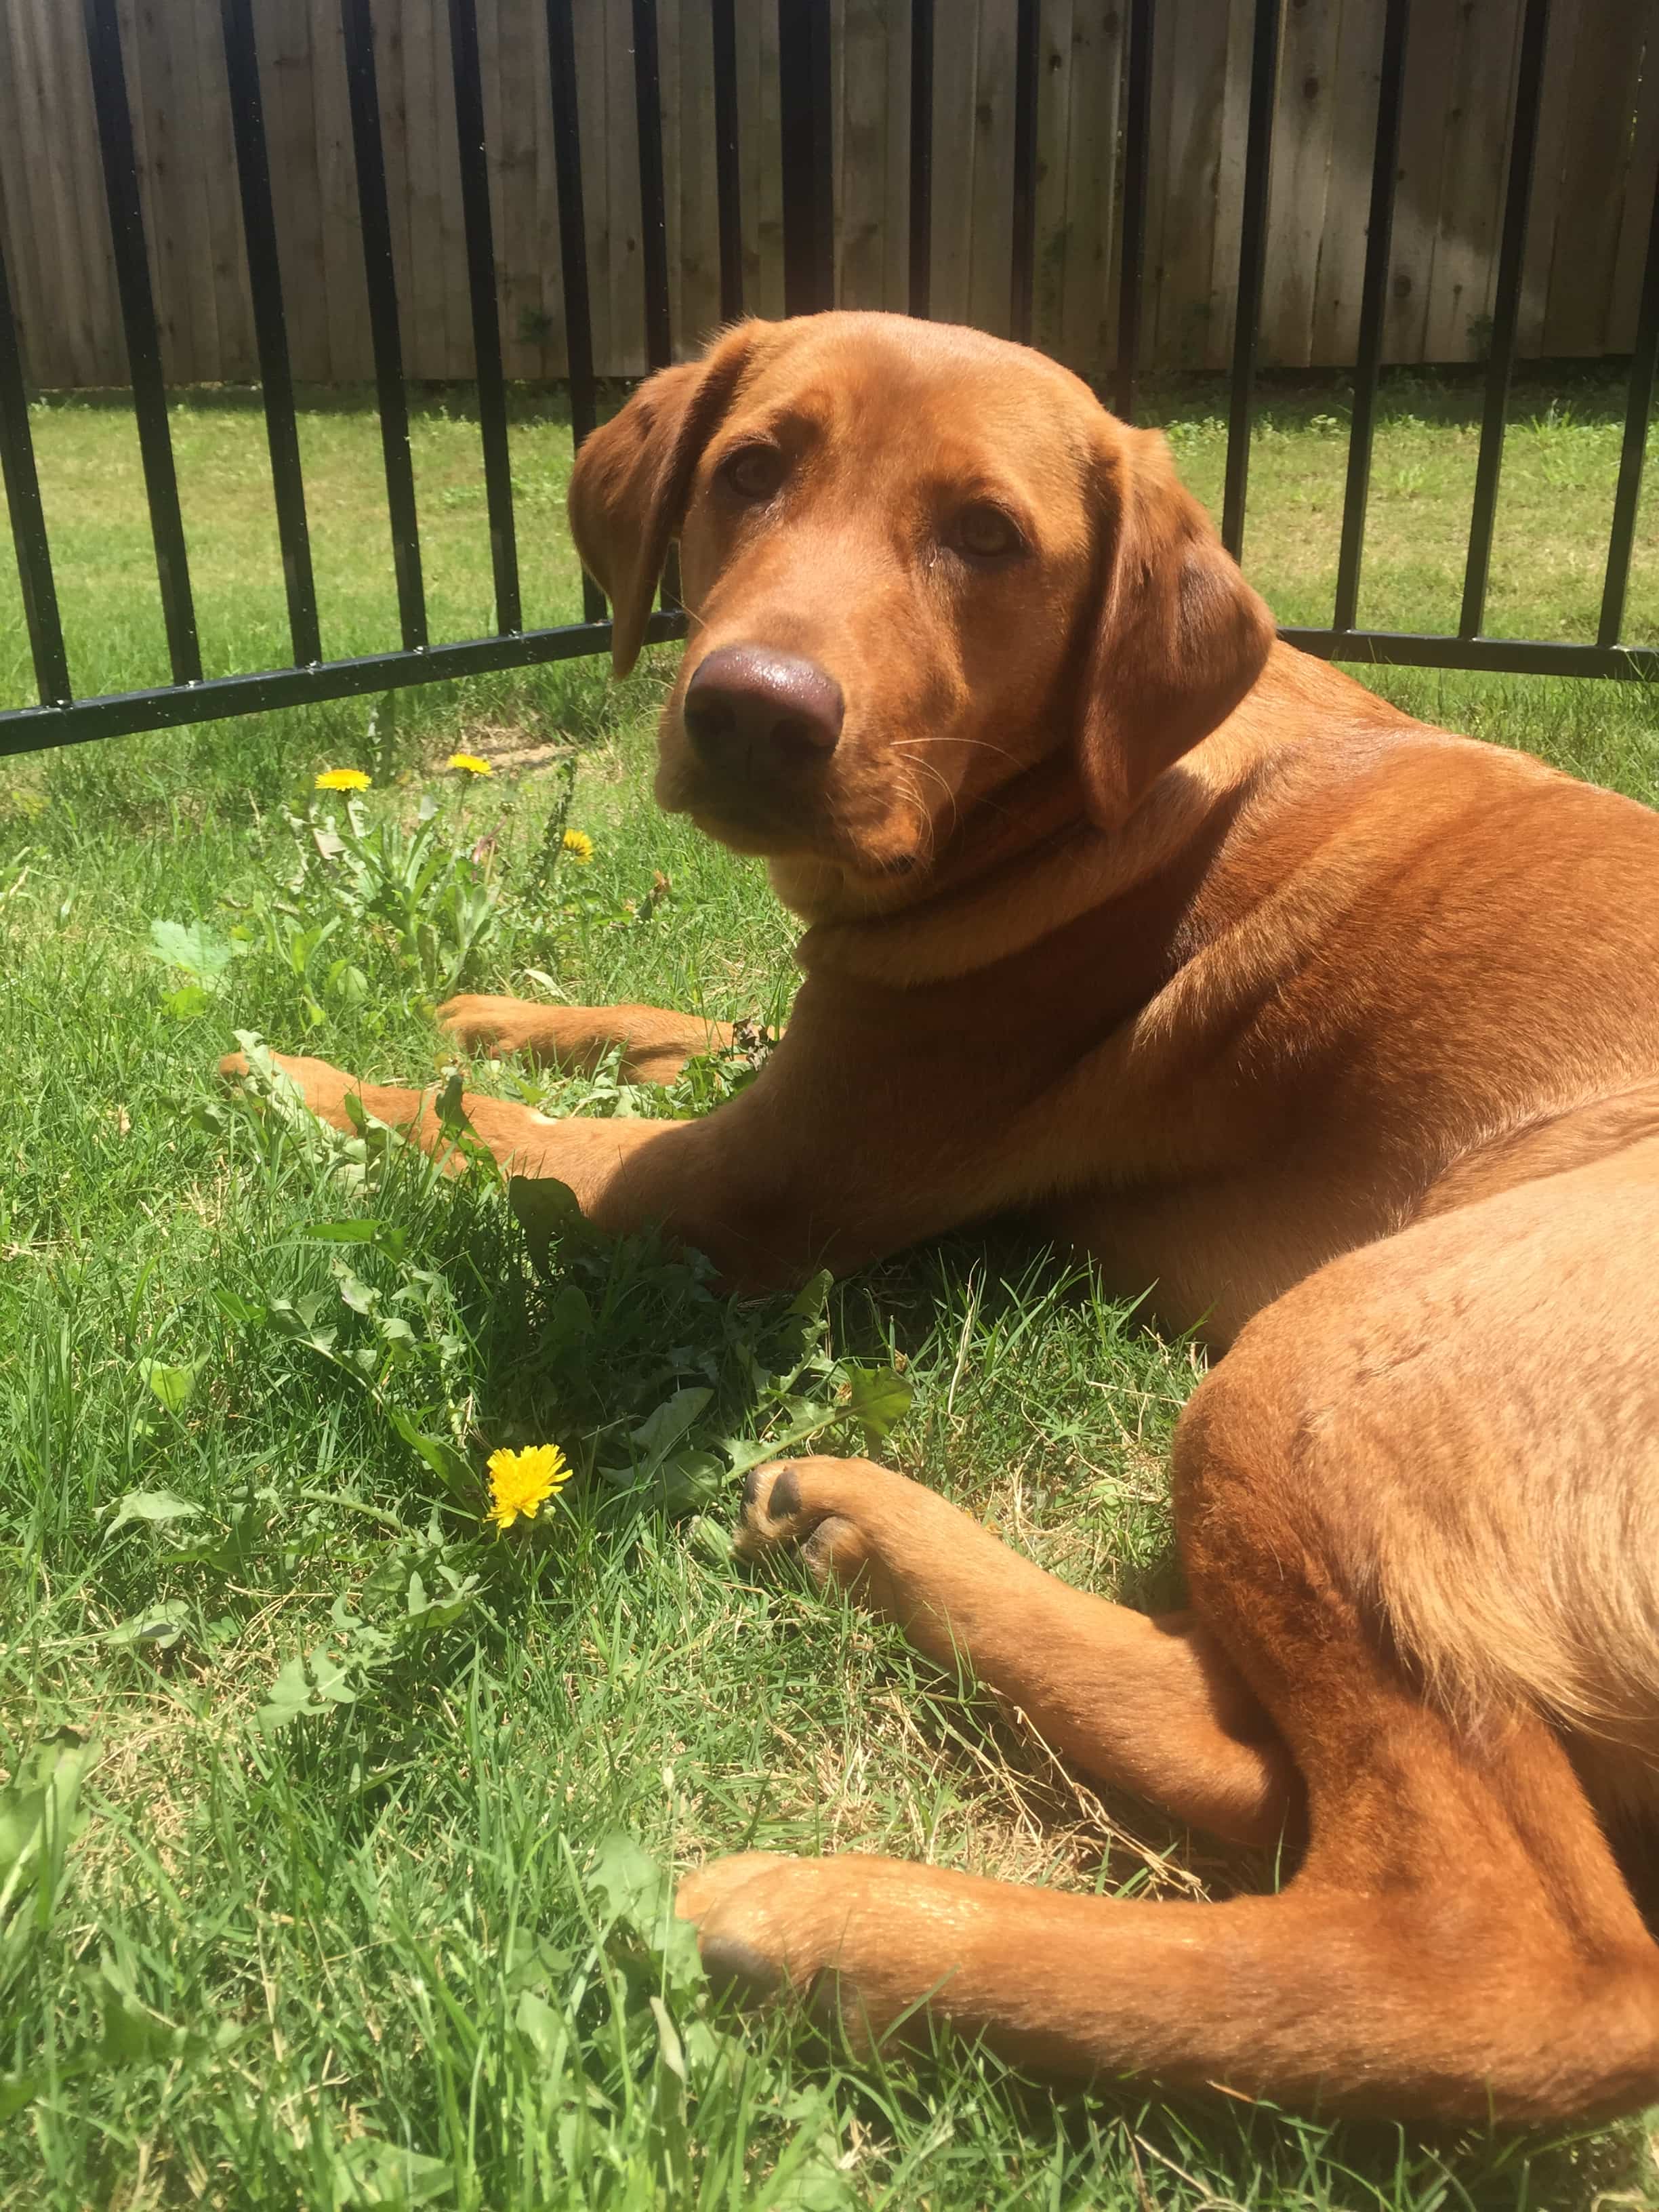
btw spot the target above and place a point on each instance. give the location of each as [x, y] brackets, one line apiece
[806, 80]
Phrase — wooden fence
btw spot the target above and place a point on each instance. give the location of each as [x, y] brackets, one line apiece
[1598, 157]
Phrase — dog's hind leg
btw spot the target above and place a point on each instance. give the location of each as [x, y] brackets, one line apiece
[1457, 1941]
[1456, 1947]
[1152, 1704]
[656, 1042]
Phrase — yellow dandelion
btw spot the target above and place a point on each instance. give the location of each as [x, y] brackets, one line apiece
[520, 1481]
[471, 762]
[580, 846]
[343, 779]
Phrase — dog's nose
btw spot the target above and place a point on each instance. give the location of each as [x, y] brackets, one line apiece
[748, 700]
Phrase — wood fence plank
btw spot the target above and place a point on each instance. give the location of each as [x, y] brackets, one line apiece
[16, 240]
[510, 136]
[69, 203]
[422, 293]
[991, 218]
[284, 28]
[1201, 88]
[212, 158]
[446, 155]
[487, 14]
[1304, 124]
[1638, 210]
[1582, 266]
[1160, 321]
[392, 81]
[1423, 127]
[1229, 195]
[36, 291]
[1053, 137]
[132, 64]
[1473, 181]
[746, 28]
[769, 153]
[1553, 157]
[1088, 305]
[699, 255]
[543, 249]
[864, 198]
[196, 62]
[1339, 249]
[593, 96]
[623, 273]
[956, 59]
[896, 233]
[163, 140]
[351, 351]
[671, 31]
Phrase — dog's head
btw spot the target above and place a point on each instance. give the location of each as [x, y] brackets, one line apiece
[918, 561]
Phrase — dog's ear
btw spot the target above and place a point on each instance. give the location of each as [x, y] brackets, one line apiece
[633, 476]
[1177, 635]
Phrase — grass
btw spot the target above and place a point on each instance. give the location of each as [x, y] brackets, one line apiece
[348, 1822]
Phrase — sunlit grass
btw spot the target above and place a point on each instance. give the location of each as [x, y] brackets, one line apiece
[381, 1955]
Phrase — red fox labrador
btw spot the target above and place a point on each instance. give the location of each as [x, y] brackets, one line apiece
[1342, 1031]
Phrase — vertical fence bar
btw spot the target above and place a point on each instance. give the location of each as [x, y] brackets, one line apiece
[1373, 304]
[486, 316]
[654, 225]
[380, 276]
[247, 124]
[809, 183]
[1506, 310]
[573, 222]
[1137, 161]
[149, 398]
[1627, 498]
[728, 191]
[28, 521]
[654, 216]
[1026, 127]
[572, 245]
[1252, 261]
[922, 156]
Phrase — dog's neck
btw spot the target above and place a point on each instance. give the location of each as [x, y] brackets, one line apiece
[1026, 863]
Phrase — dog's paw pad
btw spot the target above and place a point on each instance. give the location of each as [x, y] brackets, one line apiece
[780, 1515]
[772, 1514]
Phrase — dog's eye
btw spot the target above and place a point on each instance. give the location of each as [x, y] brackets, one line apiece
[753, 472]
[986, 533]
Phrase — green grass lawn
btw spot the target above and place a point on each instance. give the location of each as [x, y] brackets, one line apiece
[337, 1825]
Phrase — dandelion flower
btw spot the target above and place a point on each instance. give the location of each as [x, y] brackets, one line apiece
[520, 1481]
[471, 762]
[580, 846]
[343, 779]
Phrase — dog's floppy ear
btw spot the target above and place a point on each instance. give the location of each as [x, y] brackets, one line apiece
[1178, 636]
[633, 476]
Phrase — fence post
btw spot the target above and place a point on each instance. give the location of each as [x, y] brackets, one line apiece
[809, 182]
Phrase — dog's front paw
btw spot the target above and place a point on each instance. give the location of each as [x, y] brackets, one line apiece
[497, 1025]
[789, 1506]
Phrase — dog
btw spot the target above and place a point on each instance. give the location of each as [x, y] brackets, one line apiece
[1339, 1030]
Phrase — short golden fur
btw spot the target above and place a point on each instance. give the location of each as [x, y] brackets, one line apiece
[1340, 1030]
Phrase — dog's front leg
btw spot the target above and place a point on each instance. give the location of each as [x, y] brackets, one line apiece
[655, 1043]
[746, 1185]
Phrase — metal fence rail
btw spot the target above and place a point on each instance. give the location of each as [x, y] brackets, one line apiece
[805, 86]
